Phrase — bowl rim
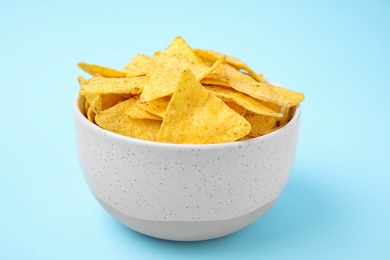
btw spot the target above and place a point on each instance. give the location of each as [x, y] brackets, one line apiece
[80, 117]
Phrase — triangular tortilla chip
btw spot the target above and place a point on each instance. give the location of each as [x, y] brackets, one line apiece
[156, 106]
[93, 69]
[166, 69]
[137, 111]
[138, 66]
[262, 91]
[260, 124]
[210, 56]
[115, 119]
[196, 116]
[99, 85]
[180, 48]
[103, 102]
[249, 103]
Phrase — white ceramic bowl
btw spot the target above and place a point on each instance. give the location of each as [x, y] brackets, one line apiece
[185, 192]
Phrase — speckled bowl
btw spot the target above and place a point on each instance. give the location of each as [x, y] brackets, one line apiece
[185, 192]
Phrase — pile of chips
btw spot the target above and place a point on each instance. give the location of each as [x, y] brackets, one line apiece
[187, 96]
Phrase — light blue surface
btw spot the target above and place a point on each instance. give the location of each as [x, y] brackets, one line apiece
[336, 205]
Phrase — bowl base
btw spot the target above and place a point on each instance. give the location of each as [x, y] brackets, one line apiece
[187, 230]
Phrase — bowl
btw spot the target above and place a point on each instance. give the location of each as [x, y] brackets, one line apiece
[185, 192]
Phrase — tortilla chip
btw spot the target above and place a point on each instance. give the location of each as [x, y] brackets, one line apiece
[213, 81]
[137, 111]
[204, 118]
[102, 102]
[210, 71]
[249, 103]
[157, 106]
[262, 91]
[185, 95]
[260, 125]
[95, 105]
[115, 119]
[180, 48]
[93, 69]
[138, 66]
[99, 85]
[237, 108]
[166, 69]
[209, 56]
[165, 74]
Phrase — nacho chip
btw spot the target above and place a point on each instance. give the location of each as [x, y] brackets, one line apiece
[262, 91]
[88, 101]
[180, 48]
[157, 106]
[93, 69]
[249, 103]
[237, 108]
[165, 74]
[203, 118]
[161, 98]
[166, 69]
[99, 85]
[275, 94]
[291, 113]
[95, 105]
[282, 121]
[116, 120]
[102, 102]
[137, 111]
[217, 64]
[210, 56]
[260, 125]
[214, 81]
[273, 106]
[138, 66]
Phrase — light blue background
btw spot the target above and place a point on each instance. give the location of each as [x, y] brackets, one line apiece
[336, 205]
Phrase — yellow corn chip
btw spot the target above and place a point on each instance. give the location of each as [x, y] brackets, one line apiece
[138, 66]
[260, 125]
[116, 120]
[180, 48]
[137, 111]
[249, 103]
[88, 101]
[165, 73]
[102, 102]
[210, 56]
[284, 119]
[237, 108]
[93, 69]
[86, 107]
[273, 106]
[110, 100]
[166, 69]
[217, 64]
[262, 91]
[203, 118]
[213, 81]
[291, 113]
[82, 80]
[185, 95]
[275, 94]
[157, 106]
[100, 85]
[235, 62]
[96, 105]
